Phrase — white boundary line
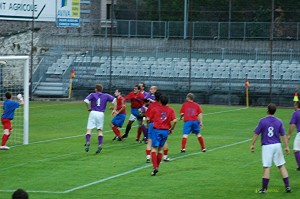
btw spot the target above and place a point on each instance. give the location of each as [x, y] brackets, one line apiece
[149, 165]
[127, 172]
[75, 136]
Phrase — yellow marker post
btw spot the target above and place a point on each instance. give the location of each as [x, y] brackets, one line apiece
[247, 92]
[71, 81]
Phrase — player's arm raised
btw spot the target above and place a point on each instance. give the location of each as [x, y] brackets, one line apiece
[20, 97]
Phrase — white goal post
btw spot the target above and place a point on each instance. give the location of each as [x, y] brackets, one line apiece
[14, 77]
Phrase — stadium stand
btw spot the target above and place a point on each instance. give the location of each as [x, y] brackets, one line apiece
[162, 70]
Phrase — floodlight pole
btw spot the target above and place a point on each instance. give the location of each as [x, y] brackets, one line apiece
[229, 19]
[185, 19]
[31, 53]
[271, 49]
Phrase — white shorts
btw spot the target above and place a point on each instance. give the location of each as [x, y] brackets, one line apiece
[132, 118]
[297, 142]
[96, 120]
[272, 153]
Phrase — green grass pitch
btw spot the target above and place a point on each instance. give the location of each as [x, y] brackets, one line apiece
[55, 165]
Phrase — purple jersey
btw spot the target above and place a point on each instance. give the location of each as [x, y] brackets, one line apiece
[270, 128]
[296, 119]
[150, 97]
[145, 94]
[99, 100]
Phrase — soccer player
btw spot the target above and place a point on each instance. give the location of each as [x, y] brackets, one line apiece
[119, 115]
[164, 121]
[295, 122]
[271, 128]
[149, 98]
[151, 95]
[155, 102]
[96, 104]
[9, 107]
[193, 121]
[137, 100]
[142, 128]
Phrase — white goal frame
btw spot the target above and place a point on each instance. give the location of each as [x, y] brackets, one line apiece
[26, 93]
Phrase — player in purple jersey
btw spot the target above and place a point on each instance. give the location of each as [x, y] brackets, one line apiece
[96, 104]
[295, 122]
[151, 95]
[9, 107]
[271, 128]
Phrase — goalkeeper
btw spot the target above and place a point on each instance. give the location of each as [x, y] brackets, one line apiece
[9, 107]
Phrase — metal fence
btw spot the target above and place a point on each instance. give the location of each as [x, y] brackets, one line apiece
[195, 30]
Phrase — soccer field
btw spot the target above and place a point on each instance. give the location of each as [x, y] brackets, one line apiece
[55, 165]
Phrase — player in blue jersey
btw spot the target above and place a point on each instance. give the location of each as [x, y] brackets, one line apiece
[9, 107]
[271, 128]
[96, 104]
[295, 122]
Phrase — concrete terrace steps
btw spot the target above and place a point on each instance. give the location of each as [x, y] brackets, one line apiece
[51, 89]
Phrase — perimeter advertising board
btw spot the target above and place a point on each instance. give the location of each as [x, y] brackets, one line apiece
[66, 13]
[27, 10]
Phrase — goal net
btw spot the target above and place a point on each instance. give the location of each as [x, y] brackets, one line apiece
[14, 78]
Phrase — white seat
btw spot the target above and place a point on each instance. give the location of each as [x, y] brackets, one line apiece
[96, 59]
[287, 76]
[50, 70]
[295, 76]
[285, 61]
[58, 71]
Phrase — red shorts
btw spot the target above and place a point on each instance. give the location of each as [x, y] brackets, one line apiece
[6, 124]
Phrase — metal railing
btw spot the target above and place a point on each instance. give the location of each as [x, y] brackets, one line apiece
[195, 30]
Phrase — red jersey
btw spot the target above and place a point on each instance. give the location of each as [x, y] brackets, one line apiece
[162, 117]
[191, 110]
[120, 104]
[137, 99]
[150, 107]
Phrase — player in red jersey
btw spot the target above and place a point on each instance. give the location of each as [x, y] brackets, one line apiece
[119, 115]
[164, 121]
[154, 103]
[137, 100]
[192, 113]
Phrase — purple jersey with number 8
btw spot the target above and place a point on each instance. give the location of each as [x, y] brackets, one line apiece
[270, 128]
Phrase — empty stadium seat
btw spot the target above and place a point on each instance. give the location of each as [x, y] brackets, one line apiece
[226, 61]
[96, 59]
[296, 76]
[285, 61]
[209, 60]
[50, 70]
[287, 76]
